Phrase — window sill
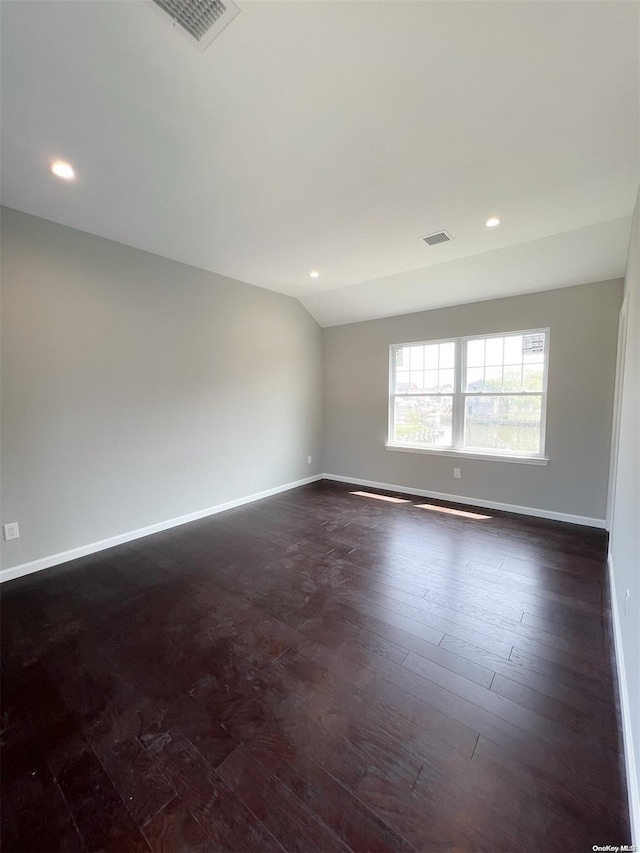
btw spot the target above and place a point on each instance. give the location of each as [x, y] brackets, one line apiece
[465, 454]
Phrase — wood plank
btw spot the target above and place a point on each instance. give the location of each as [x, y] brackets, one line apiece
[284, 815]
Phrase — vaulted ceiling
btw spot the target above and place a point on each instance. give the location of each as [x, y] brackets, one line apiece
[332, 136]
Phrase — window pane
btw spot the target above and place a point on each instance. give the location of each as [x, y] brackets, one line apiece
[475, 353]
[423, 420]
[447, 355]
[513, 349]
[417, 358]
[494, 351]
[431, 380]
[417, 381]
[446, 380]
[493, 379]
[512, 380]
[402, 382]
[475, 379]
[532, 377]
[431, 357]
[503, 423]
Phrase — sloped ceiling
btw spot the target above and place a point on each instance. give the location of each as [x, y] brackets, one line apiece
[333, 135]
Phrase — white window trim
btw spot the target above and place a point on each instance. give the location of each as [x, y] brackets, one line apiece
[464, 454]
[459, 396]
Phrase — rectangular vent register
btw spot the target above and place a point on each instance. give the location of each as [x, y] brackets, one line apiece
[199, 20]
[437, 237]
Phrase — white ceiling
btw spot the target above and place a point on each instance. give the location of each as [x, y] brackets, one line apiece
[332, 135]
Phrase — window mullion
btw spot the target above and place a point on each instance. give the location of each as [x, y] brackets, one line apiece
[392, 392]
[458, 400]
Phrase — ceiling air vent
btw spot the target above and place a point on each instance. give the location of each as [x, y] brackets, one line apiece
[200, 20]
[438, 237]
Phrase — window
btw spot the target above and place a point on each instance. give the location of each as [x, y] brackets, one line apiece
[484, 395]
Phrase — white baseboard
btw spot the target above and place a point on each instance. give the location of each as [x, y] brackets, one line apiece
[627, 733]
[462, 499]
[93, 547]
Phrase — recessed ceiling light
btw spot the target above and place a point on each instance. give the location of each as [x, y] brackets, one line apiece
[314, 273]
[63, 170]
[493, 221]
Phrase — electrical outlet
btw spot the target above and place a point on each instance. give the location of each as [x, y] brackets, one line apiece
[11, 531]
[626, 604]
[309, 460]
[456, 474]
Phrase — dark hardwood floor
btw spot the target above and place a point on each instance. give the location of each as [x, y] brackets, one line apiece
[318, 671]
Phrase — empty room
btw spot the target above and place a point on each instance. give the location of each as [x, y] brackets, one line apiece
[320, 425]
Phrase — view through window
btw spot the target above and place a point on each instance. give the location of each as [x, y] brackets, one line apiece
[480, 394]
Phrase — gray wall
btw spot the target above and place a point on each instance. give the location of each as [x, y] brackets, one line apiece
[136, 389]
[583, 322]
[624, 543]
